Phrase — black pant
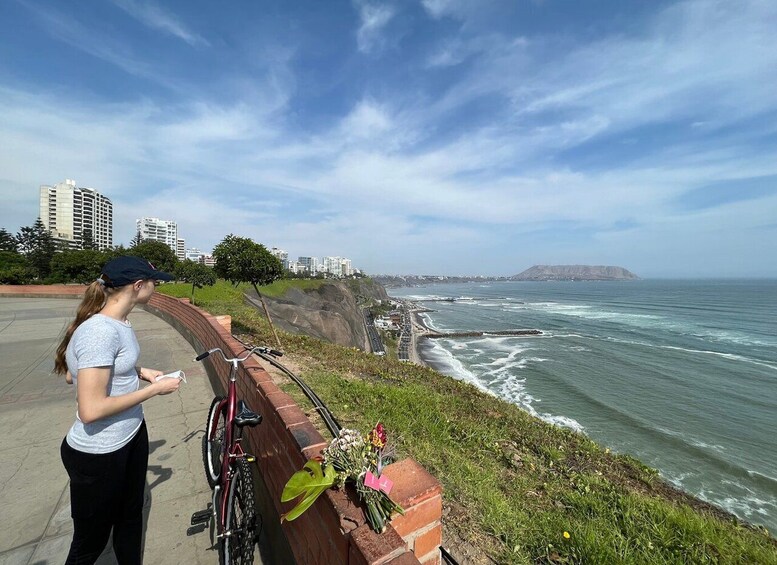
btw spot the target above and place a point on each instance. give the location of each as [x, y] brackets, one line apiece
[107, 491]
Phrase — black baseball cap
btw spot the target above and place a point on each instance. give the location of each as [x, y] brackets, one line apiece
[128, 269]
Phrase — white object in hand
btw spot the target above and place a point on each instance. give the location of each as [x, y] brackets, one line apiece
[175, 374]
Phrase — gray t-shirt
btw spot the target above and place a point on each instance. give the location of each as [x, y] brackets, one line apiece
[102, 341]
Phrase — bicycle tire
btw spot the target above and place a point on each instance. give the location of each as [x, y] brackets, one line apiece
[238, 547]
[213, 451]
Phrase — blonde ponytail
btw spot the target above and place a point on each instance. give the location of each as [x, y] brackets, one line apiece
[93, 302]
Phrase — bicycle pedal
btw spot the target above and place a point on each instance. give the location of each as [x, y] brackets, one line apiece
[201, 516]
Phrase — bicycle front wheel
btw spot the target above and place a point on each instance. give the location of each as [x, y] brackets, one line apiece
[213, 447]
[237, 548]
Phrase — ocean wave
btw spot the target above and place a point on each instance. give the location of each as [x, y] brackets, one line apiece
[646, 321]
[429, 323]
[454, 367]
[731, 495]
[507, 386]
[750, 507]
[730, 356]
[514, 390]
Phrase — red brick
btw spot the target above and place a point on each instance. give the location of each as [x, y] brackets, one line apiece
[305, 435]
[428, 541]
[371, 548]
[280, 400]
[418, 517]
[292, 415]
[433, 558]
[349, 511]
[314, 450]
[267, 387]
[405, 559]
[412, 483]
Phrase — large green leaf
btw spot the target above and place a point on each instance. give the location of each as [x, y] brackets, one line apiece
[310, 483]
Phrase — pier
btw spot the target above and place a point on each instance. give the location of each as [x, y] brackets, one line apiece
[505, 333]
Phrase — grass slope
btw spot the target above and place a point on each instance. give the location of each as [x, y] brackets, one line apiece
[515, 488]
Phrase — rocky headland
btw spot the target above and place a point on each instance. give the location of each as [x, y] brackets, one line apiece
[574, 273]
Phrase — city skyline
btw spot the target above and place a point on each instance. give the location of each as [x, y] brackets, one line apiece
[67, 209]
[438, 136]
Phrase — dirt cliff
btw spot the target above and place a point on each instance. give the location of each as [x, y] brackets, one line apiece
[332, 312]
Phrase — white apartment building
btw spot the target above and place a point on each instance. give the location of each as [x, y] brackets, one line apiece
[180, 249]
[333, 265]
[310, 264]
[345, 267]
[155, 229]
[193, 254]
[282, 255]
[67, 210]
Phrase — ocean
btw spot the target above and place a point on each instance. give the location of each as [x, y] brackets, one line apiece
[681, 375]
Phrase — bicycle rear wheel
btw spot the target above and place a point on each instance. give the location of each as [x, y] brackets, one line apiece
[238, 547]
[213, 449]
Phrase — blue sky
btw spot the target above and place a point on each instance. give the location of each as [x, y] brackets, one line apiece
[429, 136]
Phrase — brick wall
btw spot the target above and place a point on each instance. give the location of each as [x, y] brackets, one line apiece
[334, 529]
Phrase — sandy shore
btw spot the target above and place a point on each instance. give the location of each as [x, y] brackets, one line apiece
[417, 329]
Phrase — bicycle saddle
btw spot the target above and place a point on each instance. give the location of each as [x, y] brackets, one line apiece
[245, 417]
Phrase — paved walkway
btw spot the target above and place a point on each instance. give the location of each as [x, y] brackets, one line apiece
[36, 410]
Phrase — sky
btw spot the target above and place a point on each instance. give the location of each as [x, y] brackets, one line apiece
[456, 137]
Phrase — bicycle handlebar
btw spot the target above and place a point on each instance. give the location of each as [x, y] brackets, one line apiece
[248, 353]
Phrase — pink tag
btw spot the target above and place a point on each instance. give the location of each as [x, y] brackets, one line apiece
[378, 483]
[371, 481]
[385, 484]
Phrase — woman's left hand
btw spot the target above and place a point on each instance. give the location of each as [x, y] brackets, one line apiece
[149, 374]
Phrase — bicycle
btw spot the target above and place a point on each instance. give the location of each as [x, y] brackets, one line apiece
[227, 469]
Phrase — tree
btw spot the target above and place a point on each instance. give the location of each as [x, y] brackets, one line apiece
[14, 268]
[137, 240]
[87, 239]
[81, 266]
[197, 274]
[240, 259]
[157, 253]
[7, 241]
[37, 245]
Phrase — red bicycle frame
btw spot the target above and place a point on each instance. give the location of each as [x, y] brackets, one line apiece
[232, 447]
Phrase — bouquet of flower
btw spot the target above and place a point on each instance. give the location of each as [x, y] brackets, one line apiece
[350, 457]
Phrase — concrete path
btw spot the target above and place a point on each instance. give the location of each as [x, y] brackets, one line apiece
[37, 409]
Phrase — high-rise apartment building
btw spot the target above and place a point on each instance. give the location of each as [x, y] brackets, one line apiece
[180, 249]
[310, 264]
[282, 255]
[165, 231]
[194, 254]
[67, 211]
[333, 265]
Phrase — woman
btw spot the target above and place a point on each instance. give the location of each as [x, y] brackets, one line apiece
[106, 450]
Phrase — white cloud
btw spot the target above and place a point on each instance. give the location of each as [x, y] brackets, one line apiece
[449, 8]
[153, 16]
[366, 120]
[372, 19]
[379, 180]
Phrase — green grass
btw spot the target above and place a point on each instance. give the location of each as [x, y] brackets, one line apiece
[217, 298]
[512, 483]
[280, 287]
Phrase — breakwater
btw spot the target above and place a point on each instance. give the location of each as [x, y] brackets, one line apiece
[504, 333]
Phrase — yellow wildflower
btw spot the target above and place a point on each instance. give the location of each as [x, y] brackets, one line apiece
[566, 535]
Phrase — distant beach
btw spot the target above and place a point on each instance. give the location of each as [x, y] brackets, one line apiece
[417, 328]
